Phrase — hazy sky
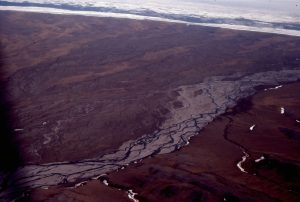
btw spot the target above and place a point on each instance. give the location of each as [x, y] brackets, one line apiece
[290, 6]
[287, 6]
[266, 13]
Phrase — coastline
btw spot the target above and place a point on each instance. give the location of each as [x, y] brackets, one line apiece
[149, 18]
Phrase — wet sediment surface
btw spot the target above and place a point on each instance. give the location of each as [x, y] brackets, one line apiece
[218, 94]
[227, 161]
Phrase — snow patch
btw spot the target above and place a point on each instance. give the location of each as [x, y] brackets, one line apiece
[252, 127]
[239, 164]
[131, 195]
[282, 110]
[98, 177]
[80, 184]
[274, 88]
[105, 182]
[260, 159]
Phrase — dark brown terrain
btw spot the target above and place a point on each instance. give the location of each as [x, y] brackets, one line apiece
[76, 88]
[82, 82]
[206, 170]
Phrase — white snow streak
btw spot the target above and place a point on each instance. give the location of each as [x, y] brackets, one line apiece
[131, 195]
[239, 164]
[252, 127]
[282, 110]
[260, 159]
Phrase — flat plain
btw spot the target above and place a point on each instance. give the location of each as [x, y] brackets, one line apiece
[78, 87]
[207, 169]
